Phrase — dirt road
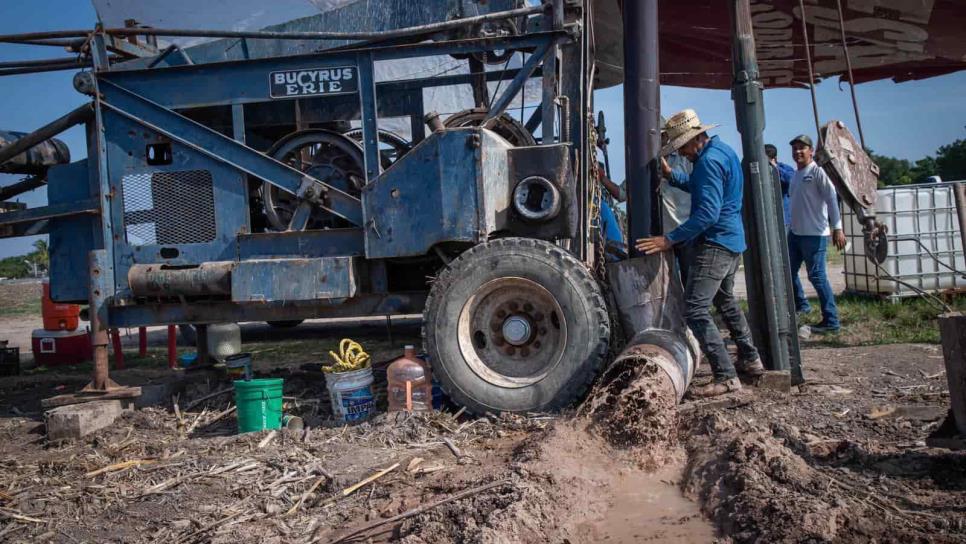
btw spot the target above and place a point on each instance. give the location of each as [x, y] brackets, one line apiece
[840, 460]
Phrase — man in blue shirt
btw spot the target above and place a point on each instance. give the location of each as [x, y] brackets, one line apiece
[715, 229]
[784, 174]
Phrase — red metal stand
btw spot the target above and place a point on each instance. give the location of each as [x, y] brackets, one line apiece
[142, 341]
[172, 346]
[118, 350]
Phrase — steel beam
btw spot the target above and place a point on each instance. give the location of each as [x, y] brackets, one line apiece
[767, 273]
[75, 117]
[87, 206]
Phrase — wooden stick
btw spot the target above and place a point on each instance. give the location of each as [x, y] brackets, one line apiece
[418, 510]
[452, 447]
[196, 402]
[177, 411]
[195, 422]
[305, 495]
[20, 517]
[267, 440]
[352, 489]
[121, 466]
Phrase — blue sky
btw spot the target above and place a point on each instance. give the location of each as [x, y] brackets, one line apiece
[908, 120]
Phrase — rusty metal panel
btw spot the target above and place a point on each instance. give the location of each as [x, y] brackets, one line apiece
[428, 196]
[279, 280]
[855, 176]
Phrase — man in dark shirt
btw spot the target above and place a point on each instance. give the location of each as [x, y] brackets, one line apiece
[715, 228]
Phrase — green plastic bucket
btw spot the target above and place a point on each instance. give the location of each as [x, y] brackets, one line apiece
[259, 404]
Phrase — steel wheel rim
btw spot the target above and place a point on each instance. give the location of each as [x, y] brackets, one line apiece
[497, 306]
[280, 205]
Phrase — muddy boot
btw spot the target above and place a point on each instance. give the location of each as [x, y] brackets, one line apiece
[716, 388]
[752, 368]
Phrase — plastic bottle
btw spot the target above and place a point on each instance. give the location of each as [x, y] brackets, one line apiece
[410, 386]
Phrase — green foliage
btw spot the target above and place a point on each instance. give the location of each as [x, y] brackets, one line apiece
[18, 267]
[40, 254]
[892, 171]
[14, 267]
[951, 161]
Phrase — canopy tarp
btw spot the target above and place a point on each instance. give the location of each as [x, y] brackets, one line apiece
[888, 39]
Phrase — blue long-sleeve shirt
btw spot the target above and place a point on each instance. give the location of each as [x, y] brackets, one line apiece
[716, 186]
[785, 175]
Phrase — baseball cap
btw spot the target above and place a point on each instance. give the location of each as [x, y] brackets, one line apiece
[802, 138]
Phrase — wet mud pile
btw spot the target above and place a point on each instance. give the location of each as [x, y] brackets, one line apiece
[774, 486]
[633, 407]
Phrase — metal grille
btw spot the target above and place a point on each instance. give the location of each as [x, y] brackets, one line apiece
[914, 214]
[169, 208]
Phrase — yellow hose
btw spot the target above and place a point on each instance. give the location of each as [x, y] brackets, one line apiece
[351, 357]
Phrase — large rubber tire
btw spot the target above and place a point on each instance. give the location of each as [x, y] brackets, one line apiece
[468, 364]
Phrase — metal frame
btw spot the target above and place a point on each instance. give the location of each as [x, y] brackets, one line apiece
[858, 268]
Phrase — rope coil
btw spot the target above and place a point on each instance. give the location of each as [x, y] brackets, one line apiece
[351, 357]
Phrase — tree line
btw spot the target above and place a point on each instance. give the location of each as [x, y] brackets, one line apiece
[37, 262]
[949, 163]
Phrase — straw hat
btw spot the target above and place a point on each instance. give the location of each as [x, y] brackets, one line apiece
[680, 128]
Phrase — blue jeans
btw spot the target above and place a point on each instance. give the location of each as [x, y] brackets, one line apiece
[811, 250]
[711, 280]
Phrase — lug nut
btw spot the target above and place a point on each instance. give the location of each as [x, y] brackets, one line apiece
[528, 307]
[501, 314]
[543, 331]
[510, 350]
[538, 316]
[537, 344]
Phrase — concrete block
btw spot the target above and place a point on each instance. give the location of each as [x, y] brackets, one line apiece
[77, 420]
[775, 380]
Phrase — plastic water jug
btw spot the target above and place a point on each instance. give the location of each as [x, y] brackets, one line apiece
[410, 385]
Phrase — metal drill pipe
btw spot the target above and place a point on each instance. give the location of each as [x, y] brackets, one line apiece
[768, 278]
[39, 62]
[37, 36]
[379, 35]
[642, 105]
[49, 68]
[75, 117]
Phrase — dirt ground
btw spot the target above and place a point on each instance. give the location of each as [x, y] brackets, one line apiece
[840, 459]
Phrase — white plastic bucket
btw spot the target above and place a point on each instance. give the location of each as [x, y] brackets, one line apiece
[351, 394]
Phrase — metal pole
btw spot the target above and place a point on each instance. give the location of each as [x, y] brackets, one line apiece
[76, 117]
[848, 65]
[142, 341]
[959, 194]
[642, 113]
[767, 275]
[118, 349]
[20, 187]
[99, 338]
[172, 346]
[811, 76]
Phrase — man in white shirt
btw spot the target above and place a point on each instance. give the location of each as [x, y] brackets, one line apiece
[814, 209]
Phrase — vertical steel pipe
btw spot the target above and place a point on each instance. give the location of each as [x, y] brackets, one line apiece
[766, 271]
[142, 341]
[642, 114]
